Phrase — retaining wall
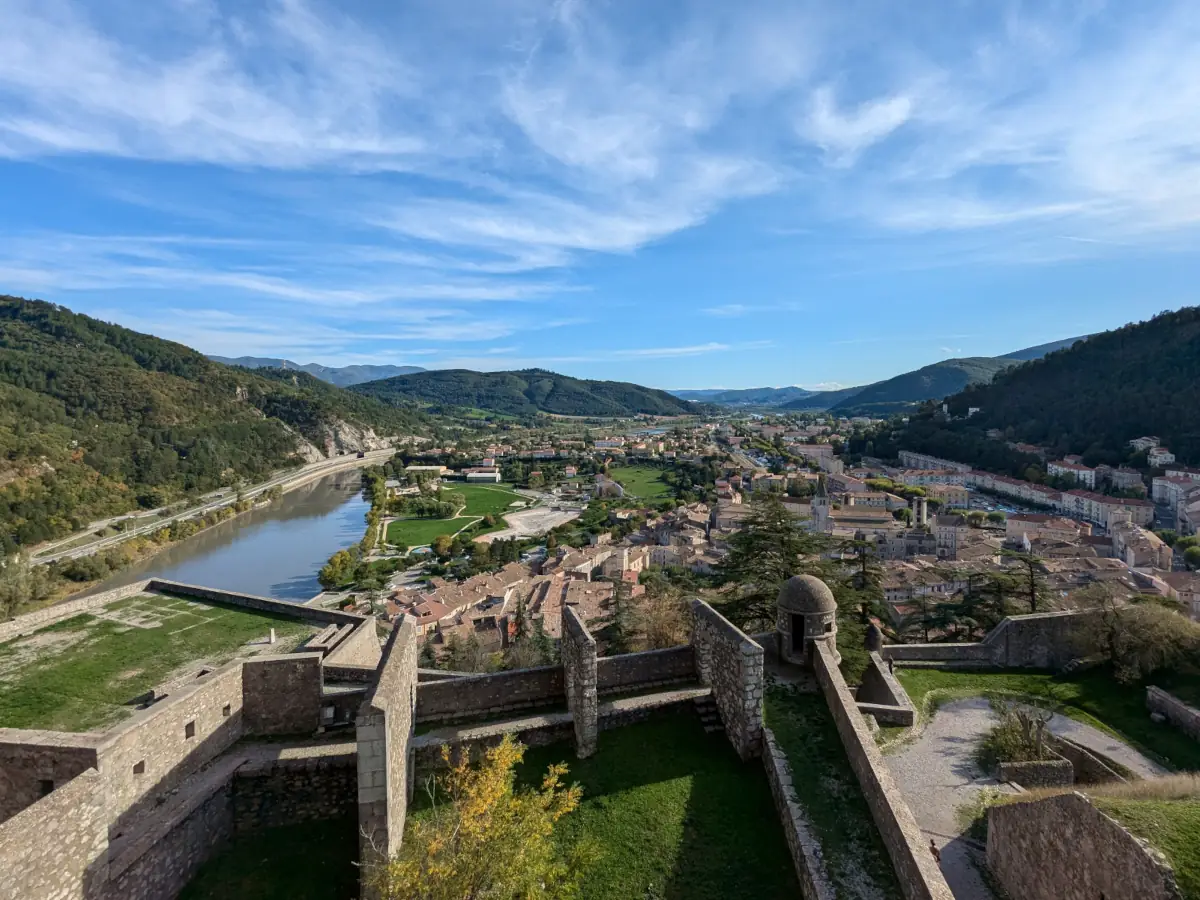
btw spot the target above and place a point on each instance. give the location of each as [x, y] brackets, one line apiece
[732, 665]
[1038, 773]
[30, 622]
[920, 878]
[477, 696]
[639, 671]
[1063, 848]
[384, 730]
[1185, 718]
[1037, 641]
[803, 844]
[251, 601]
[532, 731]
[271, 793]
[881, 695]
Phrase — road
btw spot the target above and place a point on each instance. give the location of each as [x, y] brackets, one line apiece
[287, 480]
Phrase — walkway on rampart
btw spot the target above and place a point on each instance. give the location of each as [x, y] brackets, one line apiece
[938, 774]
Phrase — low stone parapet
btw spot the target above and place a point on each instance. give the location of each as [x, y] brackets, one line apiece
[802, 843]
[1185, 718]
[1038, 773]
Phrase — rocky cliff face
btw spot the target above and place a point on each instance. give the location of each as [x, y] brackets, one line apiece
[340, 437]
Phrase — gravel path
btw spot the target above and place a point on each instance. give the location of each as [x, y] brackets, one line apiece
[937, 773]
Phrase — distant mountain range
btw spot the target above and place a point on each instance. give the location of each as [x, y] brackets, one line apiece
[525, 393]
[342, 376]
[931, 382]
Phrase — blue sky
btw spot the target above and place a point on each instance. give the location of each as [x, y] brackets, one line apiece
[684, 194]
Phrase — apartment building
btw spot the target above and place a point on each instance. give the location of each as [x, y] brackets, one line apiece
[950, 532]
[1084, 475]
[911, 460]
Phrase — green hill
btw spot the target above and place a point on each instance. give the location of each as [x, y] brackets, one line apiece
[96, 420]
[1095, 396]
[928, 383]
[342, 376]
[746, 396]
[526, 392]
[823, 400]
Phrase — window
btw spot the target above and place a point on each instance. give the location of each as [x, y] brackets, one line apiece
[189, 730]
[828, 627]
[139, 768]
[226, 710]
[45, 786]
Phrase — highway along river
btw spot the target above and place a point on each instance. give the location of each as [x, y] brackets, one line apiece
[274, 551]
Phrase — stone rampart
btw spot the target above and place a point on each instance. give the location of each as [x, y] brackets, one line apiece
[341, 707]
[1063, 848]
[277, 792]
[162, 858]
[732, 665]
[314, 614]
[1038, 773]
[58, 847]
[360, 648]
[1185, 718]
[384, 731]
[630, 710]
[282, 694]
[803, 844]
[1037, 641]
[351, 674]
[32, 621]
[920, 878]
[579, 677]
[1089, 766]
[880, 695]
[149, 754]
[477, 696]
[33, 763]
[532, 731]
[639, 671]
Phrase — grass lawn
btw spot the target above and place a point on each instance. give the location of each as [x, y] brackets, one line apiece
[1172, 826]
[79, 674]
[643, 482]
[482, 500]
[676, 815]
[313, 861]
[1093, 697]
[828, 789]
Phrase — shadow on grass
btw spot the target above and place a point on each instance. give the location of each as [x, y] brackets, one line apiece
[675, 813]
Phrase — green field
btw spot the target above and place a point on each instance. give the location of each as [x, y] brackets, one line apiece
[313, 861]
[642, 482]
[482, 500]
[1094, 697]
[675, 813]
[80, 674]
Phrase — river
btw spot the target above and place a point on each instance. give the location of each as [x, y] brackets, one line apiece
[273, 551]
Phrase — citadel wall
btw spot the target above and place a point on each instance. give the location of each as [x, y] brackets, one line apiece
[732, 665]
[579, 674]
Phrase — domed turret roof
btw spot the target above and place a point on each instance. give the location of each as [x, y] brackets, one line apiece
[806, 594]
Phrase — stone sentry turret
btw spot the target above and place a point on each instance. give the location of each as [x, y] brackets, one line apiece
[806, 612]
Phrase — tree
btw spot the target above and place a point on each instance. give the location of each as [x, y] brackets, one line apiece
[551, 541]
[441, 546]
[662, 616]
[1030, 586]
[770, 549]
[486, 838]
[21, 583]
[996, 517]
[1191, 556]
[618, 631]
[1139, 640]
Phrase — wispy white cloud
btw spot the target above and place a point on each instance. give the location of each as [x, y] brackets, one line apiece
[845, 133]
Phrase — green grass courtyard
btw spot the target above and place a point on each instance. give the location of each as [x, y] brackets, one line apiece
[675, 813]
[481, 500]
[81, 674]
[641, 482]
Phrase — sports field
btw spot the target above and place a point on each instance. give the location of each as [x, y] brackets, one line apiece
[482, 500]
[82, 673]
[642, 482]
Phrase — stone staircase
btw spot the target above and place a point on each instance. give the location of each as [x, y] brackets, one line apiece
[706, 709]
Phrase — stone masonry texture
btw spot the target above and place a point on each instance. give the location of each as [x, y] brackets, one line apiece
[1178, 713]
[287, 792]
[1038, 641]
[282, 694]
[579, 673]
[384, 731]
[652, 668]
[360, 648]
[1063, 848]
[732, 665]
[31, 759]
[920, 878]
[478, 696]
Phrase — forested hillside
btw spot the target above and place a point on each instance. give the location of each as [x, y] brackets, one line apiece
[1093, 397]
[342, 376]
[929, 383]
[525, 393]
[768, 396]
[96, 420]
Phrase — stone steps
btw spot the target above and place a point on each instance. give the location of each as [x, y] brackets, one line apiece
[710, 718]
